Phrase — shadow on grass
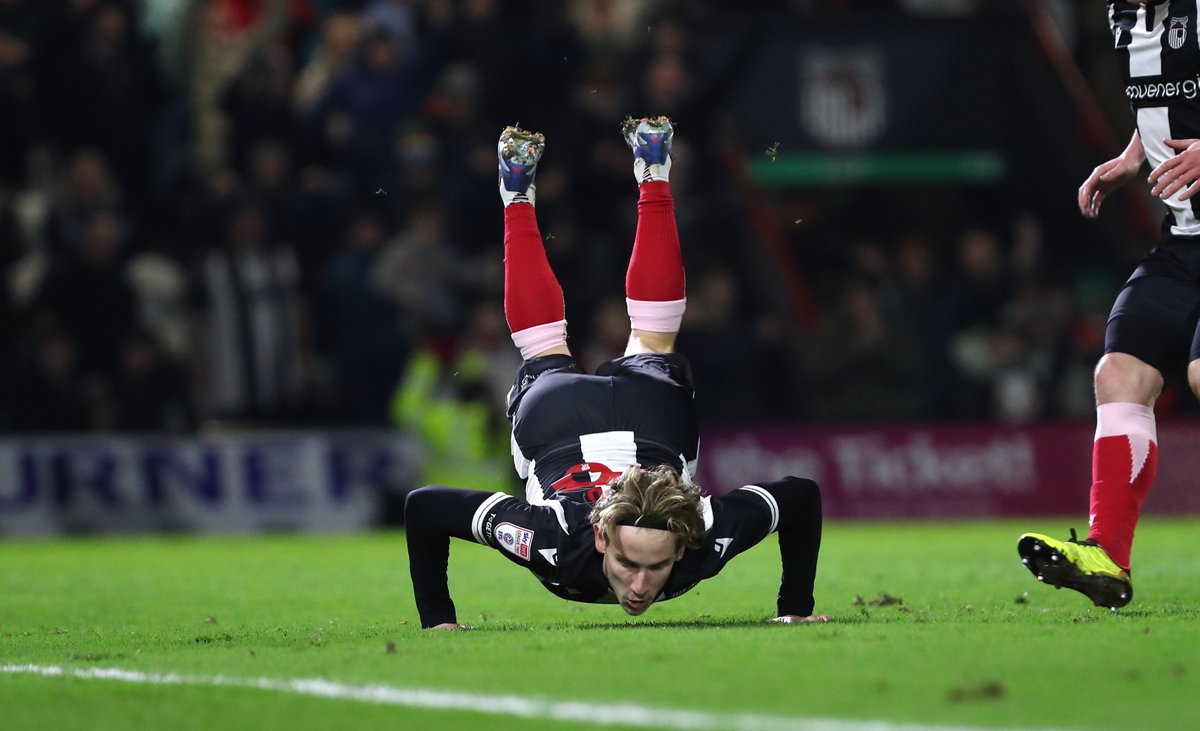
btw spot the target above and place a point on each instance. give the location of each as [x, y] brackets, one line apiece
[1166, 612]
[671, 624]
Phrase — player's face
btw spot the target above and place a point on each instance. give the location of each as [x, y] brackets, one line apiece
[637, 564]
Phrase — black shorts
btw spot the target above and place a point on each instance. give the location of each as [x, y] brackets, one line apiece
[576, 431]
[1155, 316]
[670, 369]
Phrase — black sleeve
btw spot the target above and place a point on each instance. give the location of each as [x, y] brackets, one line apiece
[432, 515]
[799, 503]
[791, 506]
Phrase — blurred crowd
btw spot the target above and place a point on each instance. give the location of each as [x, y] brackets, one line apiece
[283, 212]
[981, 324]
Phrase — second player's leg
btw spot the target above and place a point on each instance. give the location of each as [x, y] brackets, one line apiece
[1124, 378]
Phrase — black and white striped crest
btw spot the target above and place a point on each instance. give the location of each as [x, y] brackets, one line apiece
[844, 101]
[1177, 33]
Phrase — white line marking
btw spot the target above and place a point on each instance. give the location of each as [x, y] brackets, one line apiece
[602, 714]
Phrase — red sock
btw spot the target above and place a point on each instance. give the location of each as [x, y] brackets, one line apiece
[655, 271]
[1124, 463]
[532, 294]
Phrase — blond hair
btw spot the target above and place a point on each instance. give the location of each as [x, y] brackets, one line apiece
[655, 498]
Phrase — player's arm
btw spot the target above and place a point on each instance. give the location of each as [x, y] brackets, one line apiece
[432, 516]
[1109, 176]
[793, 508]
[799, 544]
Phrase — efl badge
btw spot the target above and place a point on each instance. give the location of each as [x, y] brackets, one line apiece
[1177, 34]
[514, 539]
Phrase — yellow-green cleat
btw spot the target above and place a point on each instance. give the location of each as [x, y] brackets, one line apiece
[1080, 565]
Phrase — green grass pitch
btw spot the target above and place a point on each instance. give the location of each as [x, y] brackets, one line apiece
[932, 624]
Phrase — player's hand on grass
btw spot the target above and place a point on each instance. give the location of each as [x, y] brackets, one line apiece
[1105, 178]
[797, 619]
[1179, 173]
[451, 627]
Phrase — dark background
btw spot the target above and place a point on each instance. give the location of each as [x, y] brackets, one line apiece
[282, 213]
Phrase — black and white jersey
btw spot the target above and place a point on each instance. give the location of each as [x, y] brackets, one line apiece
[572, 432]
[554, 540]
[1159, 49]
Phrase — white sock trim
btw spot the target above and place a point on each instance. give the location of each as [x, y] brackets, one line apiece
[658, 317]
[1123, 418]
[540, 338]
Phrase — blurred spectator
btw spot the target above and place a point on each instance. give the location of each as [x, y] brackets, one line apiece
[451, 403]
[268, 181]
[253, 323]
[668, 86]
[859, 365]
[107, 92]
[299, 212]
[1005, 379]
[9, 256]
[608, 335]
[721, 341]
[87, 188]
[18, 34]
[258, 104]
[221, 37]
[45, 392]
[488, 344]
[152, 391]
[421, 271]
[922, 302]
[477, 36]
[160, 288]
[341, 35]
[370, 344]
[89, 298]
[610, 28]
[984, 280]
[366, 102]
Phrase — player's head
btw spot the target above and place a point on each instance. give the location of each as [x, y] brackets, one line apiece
[642, 526]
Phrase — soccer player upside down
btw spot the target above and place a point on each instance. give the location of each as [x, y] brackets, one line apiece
[611, 514]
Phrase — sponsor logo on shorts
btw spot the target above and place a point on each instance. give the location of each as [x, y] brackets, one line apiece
[584, 475]
[514, 539]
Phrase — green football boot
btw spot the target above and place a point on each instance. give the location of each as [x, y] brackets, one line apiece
[1080, 565]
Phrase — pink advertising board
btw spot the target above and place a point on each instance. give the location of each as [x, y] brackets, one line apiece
[957, 470]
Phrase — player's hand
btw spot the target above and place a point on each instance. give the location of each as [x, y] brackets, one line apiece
[1179, 172]
[451, 627]
[797, 619]
[1105, 178]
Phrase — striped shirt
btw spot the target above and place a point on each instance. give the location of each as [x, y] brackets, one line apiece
[1159, 50]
